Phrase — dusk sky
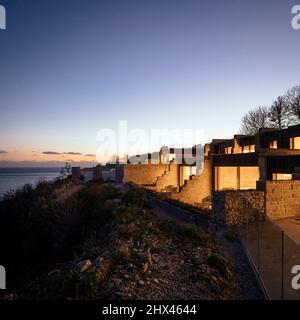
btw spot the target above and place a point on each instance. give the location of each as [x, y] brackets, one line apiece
[69, 68]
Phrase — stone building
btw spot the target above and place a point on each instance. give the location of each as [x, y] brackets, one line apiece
[267, 163]
[168, 169]
[107, 173]
[264, 166]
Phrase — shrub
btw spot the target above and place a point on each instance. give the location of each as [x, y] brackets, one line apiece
[218, 261]
[189, 232]
[125, 214]
[230, 235]
[41, 232]
[135, 197]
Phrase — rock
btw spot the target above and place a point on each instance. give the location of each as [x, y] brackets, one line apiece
[99, 261]
[146, 267]
[137, 277]
[141, 282]
[156, 280]
[154, 257]
[56, 271]
[149, 258]
[84, 265]
[130, 266]
[117, 282]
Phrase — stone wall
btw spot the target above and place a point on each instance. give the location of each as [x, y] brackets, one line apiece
[197, 188]
[233, 207]
[144, 174]
[170, 178]
[282, 198]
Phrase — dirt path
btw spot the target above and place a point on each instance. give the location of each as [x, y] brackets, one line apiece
[249, 288]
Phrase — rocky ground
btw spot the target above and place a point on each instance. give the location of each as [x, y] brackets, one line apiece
[170, 261]
[110, 242]
[248, 287]
[136, 255]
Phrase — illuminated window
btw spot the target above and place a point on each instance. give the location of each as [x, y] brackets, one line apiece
[245, 149]
[295, 143]
[249, 148]
[228, 150]
[273, 144]
[281, 176]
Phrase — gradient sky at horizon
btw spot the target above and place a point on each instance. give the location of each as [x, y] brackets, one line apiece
[70, 68]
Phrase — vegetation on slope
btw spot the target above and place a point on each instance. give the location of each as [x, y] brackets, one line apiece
[104, 242]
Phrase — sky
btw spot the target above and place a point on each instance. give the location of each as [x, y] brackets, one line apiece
[69, 68]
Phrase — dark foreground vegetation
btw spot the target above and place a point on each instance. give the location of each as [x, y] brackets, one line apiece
[104, 242]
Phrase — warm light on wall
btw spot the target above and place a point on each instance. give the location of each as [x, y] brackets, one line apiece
[249, 148]
[281, 176]
[295, 143]
[228, 150]
[273, 144]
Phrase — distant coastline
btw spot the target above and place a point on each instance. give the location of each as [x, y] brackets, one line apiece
[44, 164]
[12, 178]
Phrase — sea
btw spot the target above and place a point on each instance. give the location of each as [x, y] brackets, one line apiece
[14, 178]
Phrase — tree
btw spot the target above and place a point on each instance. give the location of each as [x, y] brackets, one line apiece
[279, 113]
[254, 120]
[293, 102]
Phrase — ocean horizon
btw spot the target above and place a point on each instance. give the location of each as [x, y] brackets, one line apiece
[12, 178]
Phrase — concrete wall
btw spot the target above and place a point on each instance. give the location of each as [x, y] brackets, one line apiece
[171, 177]
[144, 174]
[233, 207]
[186, 172]
[196, 189]
[282, 198]
[119, 173]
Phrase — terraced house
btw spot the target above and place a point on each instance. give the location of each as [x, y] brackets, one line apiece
[263, 168]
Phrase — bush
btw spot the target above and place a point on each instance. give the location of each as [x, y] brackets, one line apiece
[71, 283]
[230, 235]
[135, 197]
[189, 232]
[125, 214]
[36, 232]
[216, 260]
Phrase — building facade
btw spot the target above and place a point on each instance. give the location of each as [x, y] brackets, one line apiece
[266, 163]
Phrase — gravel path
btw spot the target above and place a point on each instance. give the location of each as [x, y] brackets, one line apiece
[249, 288]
